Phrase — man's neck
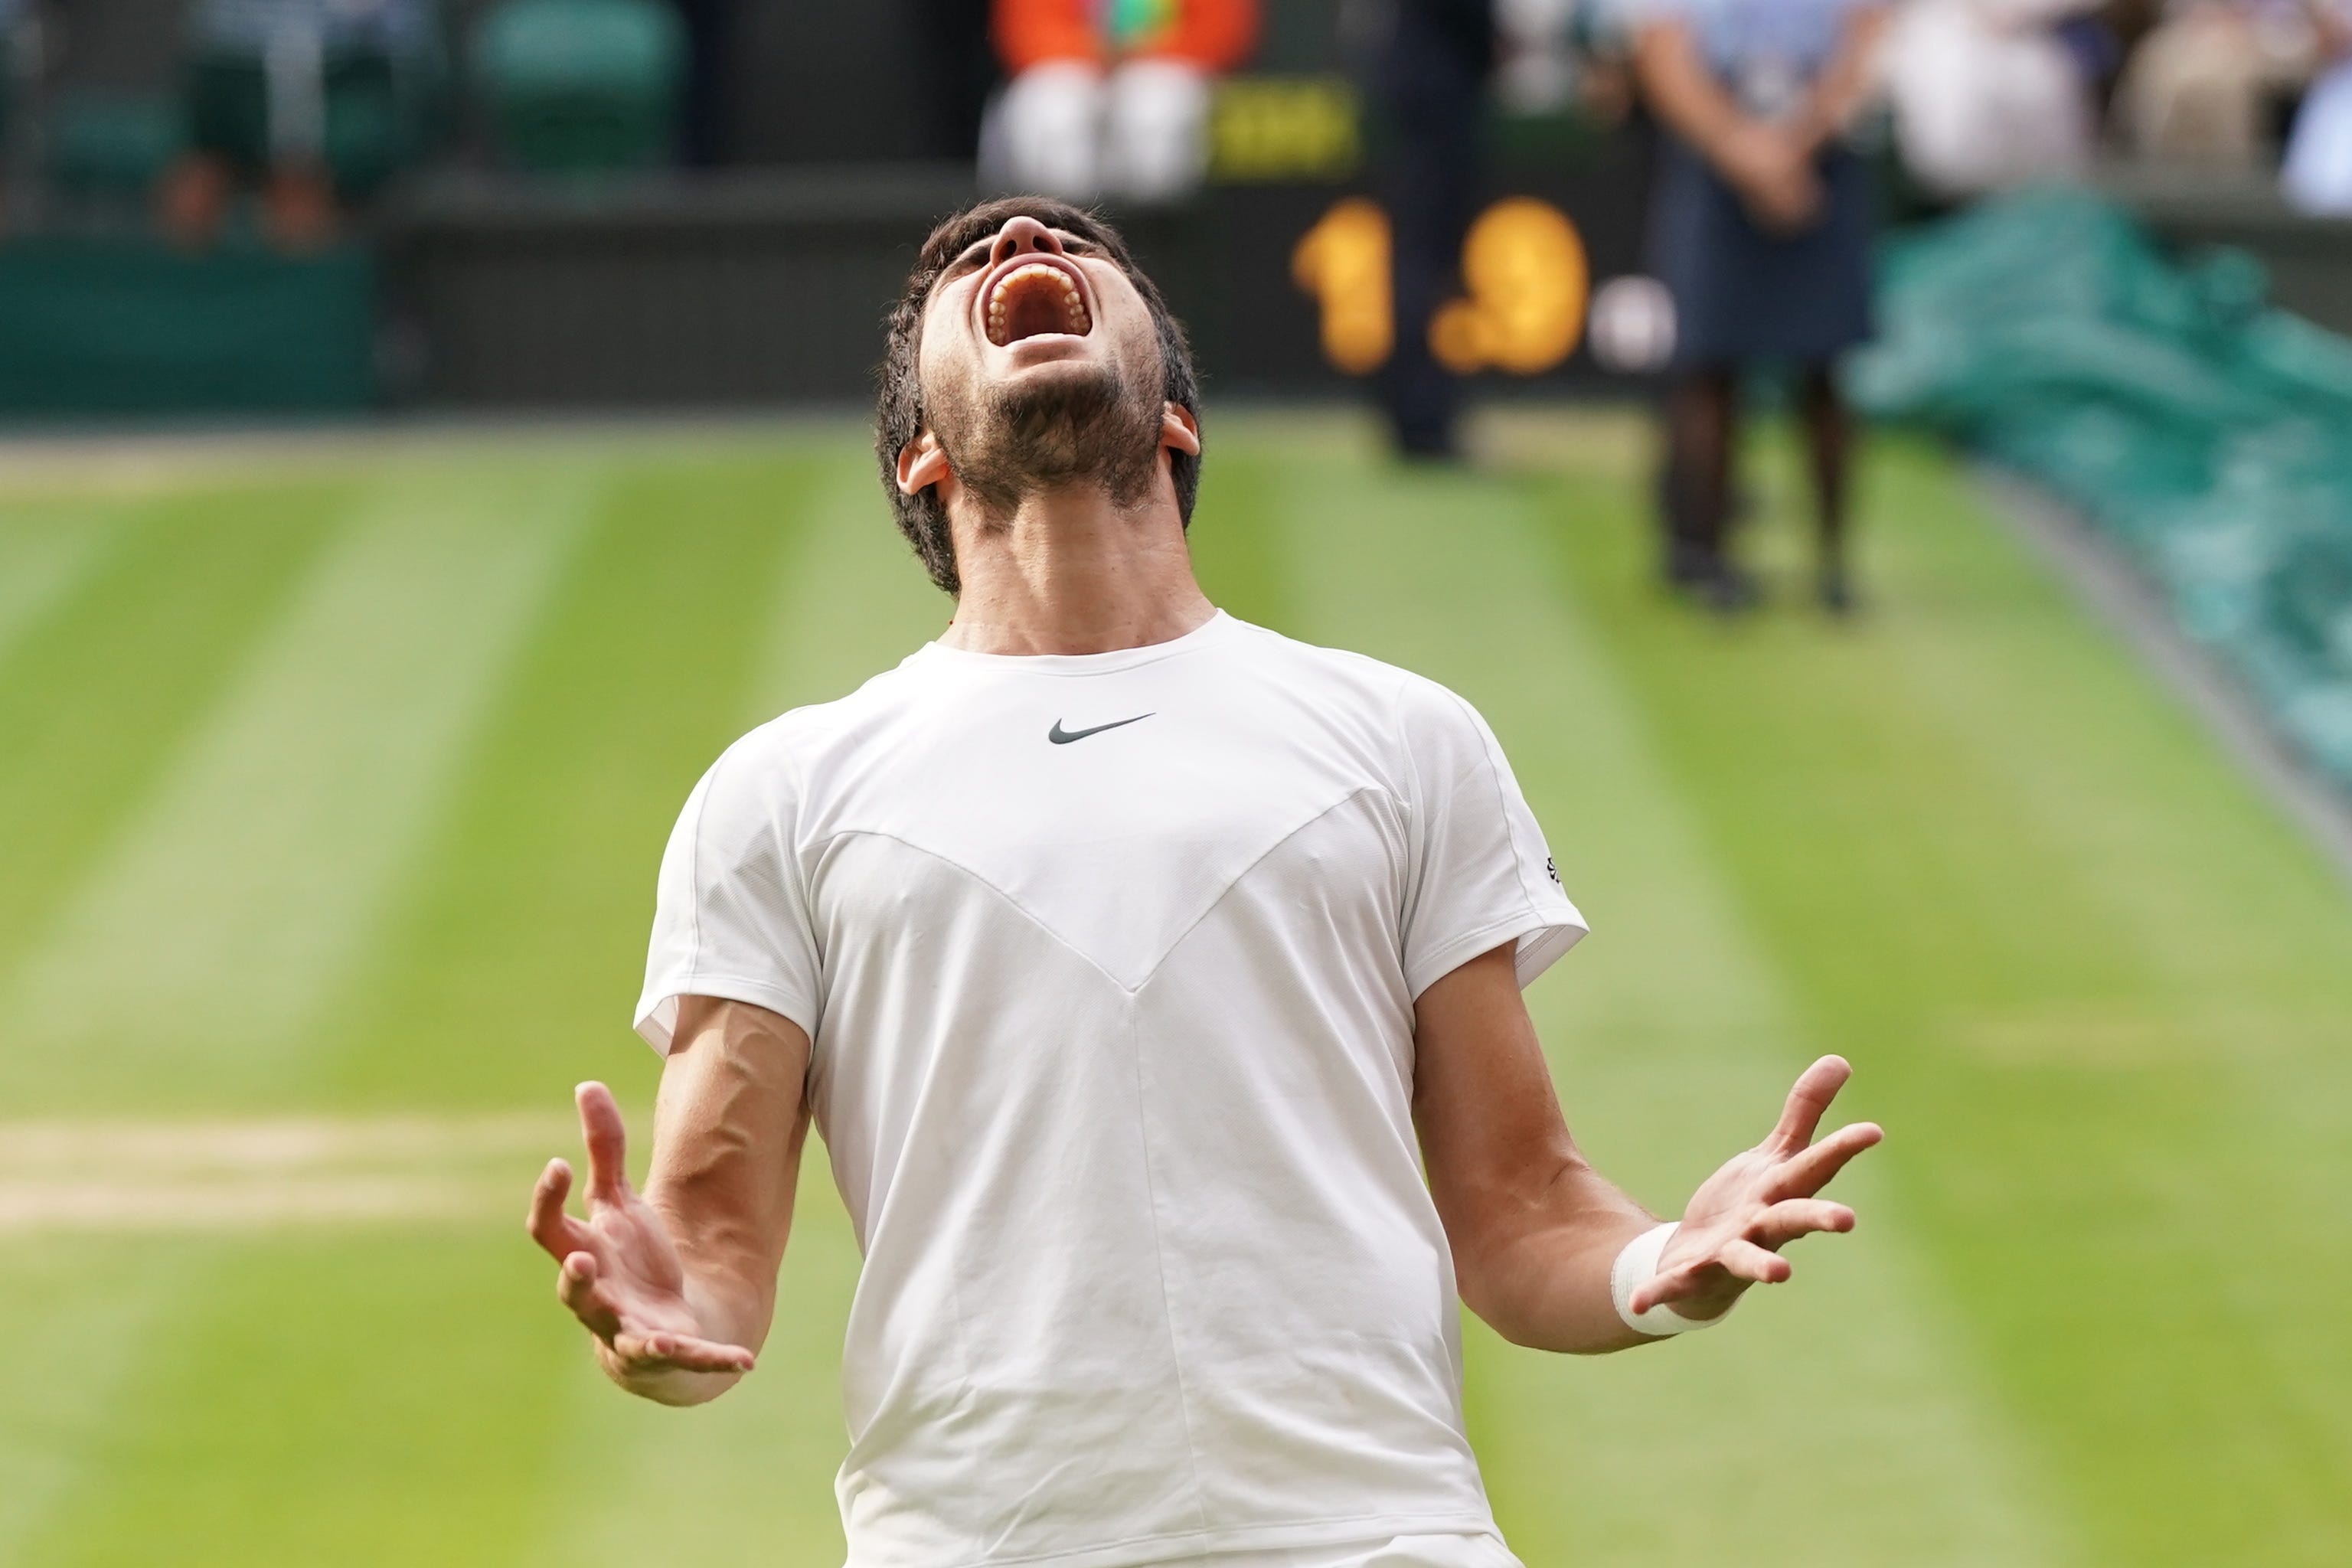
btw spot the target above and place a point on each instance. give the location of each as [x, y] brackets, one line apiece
[1069, 573]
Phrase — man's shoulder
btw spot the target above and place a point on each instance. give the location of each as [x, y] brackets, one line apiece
[789, 746]
[1293, 658]
[1341, 675]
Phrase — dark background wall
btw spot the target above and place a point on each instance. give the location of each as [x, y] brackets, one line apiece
[784, 81]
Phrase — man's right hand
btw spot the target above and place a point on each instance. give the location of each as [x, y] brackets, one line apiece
[620, 1273]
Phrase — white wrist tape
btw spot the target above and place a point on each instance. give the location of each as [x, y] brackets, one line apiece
[1634, 1268]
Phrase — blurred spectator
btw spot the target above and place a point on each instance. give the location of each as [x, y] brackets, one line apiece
[2201, 88]
[311, 99]
[2318, 177]
[1989, 93]
[1109, 99]
[1556, 55]
[1760, 226]
[1429, 83]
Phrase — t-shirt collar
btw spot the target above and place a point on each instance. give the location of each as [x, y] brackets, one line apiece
[1216, 627]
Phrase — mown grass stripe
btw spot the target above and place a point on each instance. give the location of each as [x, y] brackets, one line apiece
[2103, 980]
[102, 690]
[2090, 988]
[84, 1311]
[285, 823]
[290, 816]
[1674, 1038]
[510, 973]
[850, 604]
[43, 558]
[848, 601]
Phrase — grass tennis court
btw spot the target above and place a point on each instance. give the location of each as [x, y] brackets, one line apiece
[331, 789]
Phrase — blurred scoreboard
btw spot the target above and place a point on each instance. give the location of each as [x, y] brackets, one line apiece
[1282, 268]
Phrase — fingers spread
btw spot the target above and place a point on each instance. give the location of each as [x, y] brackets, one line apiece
[679, 1353]
[600, 1127]
[1809, 1171]
[1784, 1222]
[1815, 1088]
[549, 1225]
[576, 1287]
[1746, 1260]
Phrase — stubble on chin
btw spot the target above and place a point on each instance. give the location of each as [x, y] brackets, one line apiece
[1083, 425]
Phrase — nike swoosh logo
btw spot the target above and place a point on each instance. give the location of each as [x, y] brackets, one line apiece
[1062, 737]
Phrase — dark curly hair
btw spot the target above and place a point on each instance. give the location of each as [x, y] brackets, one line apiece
[898, 411]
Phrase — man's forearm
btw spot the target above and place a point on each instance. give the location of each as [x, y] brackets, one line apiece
[729, 1127]
[1543, 1282]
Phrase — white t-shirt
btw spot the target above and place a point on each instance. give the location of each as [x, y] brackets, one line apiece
[1110, 963]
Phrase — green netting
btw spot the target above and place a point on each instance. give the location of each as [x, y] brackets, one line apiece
[2209, 433]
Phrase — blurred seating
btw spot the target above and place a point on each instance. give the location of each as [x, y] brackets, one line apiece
[105, 147]
[319, 102]
[1988, 95]
[2202, 88]
[1109, 99]
[580, 87]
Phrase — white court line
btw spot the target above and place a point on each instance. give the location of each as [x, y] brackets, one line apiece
[291, 1143]
[272, 1173]
[249, 1204]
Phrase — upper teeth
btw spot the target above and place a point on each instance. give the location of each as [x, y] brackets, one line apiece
[1073, 309]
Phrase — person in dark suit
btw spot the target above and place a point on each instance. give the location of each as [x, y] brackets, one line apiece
[1429, 83]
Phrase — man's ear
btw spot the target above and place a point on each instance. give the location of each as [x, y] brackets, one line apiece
[923, 462]
[1178, 428]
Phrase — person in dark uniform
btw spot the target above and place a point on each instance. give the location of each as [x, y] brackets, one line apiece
[1429, 79]
[1760, 226]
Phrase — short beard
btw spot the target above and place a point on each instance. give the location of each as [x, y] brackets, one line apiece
[1081, 425]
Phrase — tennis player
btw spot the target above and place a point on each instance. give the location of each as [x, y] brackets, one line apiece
[1133, 963]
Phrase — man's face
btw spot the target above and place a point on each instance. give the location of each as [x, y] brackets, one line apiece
[1041, 368]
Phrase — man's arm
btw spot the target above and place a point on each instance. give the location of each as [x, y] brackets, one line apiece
[1535, 1229]
[677, 1285]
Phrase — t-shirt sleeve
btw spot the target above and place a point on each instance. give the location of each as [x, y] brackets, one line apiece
[1477, 872]
[731, 916]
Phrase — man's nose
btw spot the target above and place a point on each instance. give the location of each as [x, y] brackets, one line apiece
[1021, 234]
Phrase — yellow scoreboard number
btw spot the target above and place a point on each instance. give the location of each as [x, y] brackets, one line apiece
[1523, 263]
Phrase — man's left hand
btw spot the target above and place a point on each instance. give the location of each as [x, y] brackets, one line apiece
[1763, 1199]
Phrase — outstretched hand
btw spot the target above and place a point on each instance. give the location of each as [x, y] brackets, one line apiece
[1761, 1199]
[620, 1273]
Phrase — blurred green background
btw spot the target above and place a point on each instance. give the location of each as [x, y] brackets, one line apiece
[332, 781]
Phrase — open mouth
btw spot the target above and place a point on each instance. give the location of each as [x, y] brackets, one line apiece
[1035, 299]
